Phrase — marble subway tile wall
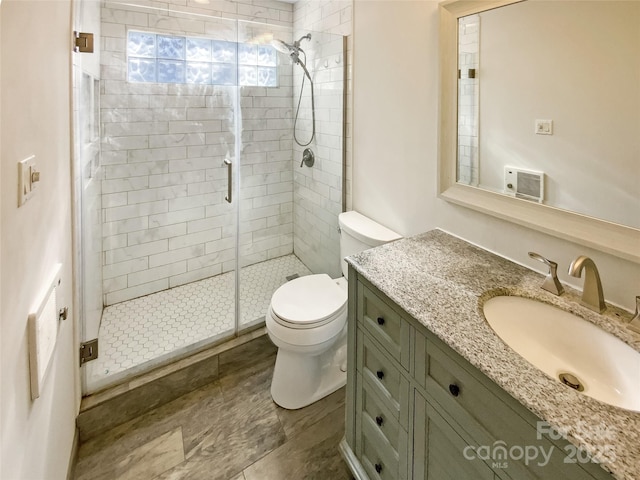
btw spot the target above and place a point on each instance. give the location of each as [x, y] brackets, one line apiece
[165, 221]
[266, 192]
[468, 100]
[318, 191]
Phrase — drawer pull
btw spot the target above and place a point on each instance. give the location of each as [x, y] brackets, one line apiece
[379, 420]
[380, 321]
[378, 467]
[454, 389]
[380, 374]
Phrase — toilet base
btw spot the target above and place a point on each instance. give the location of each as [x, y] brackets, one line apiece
[300, 380]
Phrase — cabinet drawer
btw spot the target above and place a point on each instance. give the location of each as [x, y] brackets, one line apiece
[378, 457]
[384, 324]
[487, 419]
[383, 377]
[379, 415]
[452, 385]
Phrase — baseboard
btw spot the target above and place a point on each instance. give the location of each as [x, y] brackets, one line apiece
[352, 462]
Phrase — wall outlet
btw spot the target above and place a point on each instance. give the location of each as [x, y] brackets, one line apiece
[544, 127]
[28, 178]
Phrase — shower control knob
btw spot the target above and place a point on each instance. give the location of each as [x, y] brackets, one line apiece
[380, 374]
[308, 158]
[380, 321]
[379, 420]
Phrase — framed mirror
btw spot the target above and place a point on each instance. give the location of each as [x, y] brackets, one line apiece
[535, 134]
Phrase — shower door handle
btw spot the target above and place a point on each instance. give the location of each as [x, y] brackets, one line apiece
[229, 165]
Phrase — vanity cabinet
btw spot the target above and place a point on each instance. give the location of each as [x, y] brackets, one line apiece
[418, 410]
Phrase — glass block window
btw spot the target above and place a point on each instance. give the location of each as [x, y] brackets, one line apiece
[159, 58]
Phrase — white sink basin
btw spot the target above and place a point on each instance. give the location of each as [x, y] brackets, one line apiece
[558, 342]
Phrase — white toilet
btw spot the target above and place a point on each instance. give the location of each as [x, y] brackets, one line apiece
[307, 321]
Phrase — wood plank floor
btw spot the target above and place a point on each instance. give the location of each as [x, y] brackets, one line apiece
[227, 430]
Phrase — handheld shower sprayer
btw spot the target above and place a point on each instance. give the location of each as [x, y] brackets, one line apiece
[294, 52]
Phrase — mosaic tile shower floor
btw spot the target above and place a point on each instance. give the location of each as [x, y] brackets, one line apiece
[139, 333]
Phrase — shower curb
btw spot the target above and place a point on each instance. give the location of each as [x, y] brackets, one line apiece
[116, 405]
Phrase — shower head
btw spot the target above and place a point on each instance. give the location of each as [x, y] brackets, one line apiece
[291, 50]
[282, 47]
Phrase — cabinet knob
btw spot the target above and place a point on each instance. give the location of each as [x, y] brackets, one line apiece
[378, 467]
[379, 420]
[380, 321]
[454, 389]
[380, 374]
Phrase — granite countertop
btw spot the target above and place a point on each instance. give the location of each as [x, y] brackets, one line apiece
[443, 281]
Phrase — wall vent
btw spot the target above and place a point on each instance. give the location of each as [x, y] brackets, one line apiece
[525, 184]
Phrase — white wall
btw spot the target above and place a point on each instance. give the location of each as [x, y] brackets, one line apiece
[36, 436]
[395, 146]
[395, 113]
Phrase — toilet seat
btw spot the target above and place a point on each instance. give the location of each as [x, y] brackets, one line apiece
[308, 302]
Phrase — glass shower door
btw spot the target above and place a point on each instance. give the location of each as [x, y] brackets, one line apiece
[87, 175]
[266, 209]
[169, 108]
[288, 212]
[199, 209]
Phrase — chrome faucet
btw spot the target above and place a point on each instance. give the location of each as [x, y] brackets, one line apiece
[551, 282]
[592, 296]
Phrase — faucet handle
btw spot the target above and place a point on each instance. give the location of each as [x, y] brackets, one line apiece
[551, 283]
[634, 324]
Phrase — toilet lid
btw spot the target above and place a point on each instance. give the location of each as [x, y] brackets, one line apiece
[308, 300]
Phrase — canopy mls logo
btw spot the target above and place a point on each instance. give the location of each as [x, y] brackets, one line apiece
[499, 453]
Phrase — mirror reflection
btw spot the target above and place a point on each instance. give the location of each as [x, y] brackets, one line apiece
[549, 108]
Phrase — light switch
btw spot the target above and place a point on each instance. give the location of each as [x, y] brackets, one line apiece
[28, 178]
[544, 127]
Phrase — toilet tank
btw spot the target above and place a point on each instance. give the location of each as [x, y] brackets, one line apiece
[358, 233]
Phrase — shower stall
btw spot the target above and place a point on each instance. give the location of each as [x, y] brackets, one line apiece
[192, 201]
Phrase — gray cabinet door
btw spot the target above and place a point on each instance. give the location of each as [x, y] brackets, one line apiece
[439, 452]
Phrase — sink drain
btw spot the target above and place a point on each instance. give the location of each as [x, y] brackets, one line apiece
[571, 381]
